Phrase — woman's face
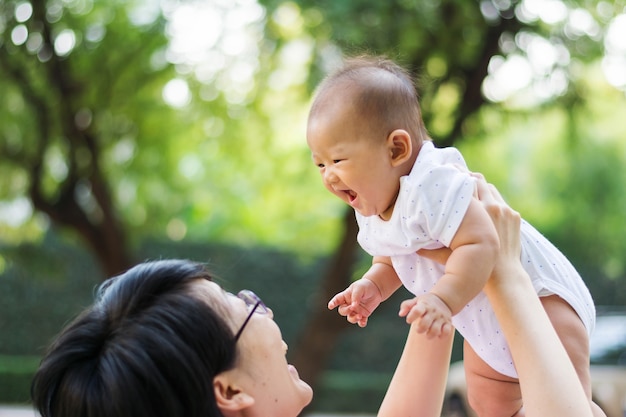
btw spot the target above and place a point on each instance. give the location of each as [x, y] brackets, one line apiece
[262, 370]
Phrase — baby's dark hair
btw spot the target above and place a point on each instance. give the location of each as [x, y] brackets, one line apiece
[382, 93]
[148, 346]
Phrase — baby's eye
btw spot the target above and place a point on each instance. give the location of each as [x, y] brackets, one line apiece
[320, 165]
[335, 161]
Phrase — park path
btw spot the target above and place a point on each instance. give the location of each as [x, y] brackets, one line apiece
[16, 411]
[20, 411]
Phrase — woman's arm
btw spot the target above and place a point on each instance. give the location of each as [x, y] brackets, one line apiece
[549, 383]
[418, 384]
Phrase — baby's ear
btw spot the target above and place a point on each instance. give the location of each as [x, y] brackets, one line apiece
[400, 146]
[228, 396]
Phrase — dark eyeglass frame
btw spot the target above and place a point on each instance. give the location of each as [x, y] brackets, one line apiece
[254, 304]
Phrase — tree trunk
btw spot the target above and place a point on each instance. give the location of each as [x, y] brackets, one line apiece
[317, 343]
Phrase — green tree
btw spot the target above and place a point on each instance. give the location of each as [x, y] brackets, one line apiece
[80, 86]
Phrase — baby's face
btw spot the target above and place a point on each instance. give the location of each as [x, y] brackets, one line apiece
[354, 166]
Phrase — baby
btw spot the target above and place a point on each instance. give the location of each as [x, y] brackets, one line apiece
[368, 139]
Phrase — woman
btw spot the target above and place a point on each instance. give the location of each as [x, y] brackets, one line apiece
[164, 340]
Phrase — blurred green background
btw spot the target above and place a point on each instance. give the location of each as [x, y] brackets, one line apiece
[145, 129]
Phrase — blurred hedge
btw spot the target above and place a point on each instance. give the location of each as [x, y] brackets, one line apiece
[15, 375]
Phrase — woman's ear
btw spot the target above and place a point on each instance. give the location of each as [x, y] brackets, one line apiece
[230, 397]
[400, 146]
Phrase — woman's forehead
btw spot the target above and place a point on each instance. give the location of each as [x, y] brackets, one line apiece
[215, 296]
[211, 290]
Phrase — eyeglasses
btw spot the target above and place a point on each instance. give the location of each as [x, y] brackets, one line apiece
[254, 304]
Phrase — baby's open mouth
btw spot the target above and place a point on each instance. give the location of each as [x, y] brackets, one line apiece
[351, 195]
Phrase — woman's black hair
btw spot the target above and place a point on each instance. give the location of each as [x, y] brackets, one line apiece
[146, 347]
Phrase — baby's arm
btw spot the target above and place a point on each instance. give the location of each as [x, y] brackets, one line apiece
[474, 251]
[384, 276]
[360, 299]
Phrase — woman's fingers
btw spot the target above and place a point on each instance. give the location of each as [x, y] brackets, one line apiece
[486, 192]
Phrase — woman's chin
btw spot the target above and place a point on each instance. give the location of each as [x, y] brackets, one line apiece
[308, 394]
[306, 388]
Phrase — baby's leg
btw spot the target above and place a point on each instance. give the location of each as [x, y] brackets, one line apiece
[573, 335]
[493, 394]
[490, 393]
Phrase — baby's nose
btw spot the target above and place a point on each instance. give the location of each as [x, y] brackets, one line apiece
[329, 176]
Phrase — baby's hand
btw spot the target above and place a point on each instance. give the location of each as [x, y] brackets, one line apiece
[357, 302]
[432, 314]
